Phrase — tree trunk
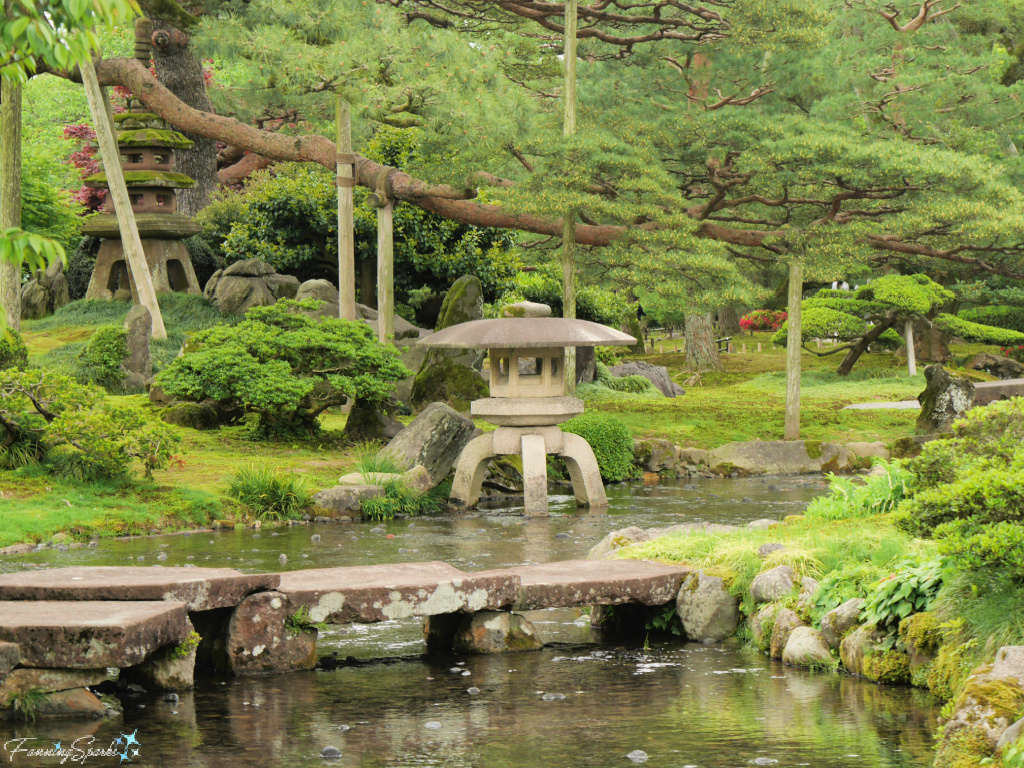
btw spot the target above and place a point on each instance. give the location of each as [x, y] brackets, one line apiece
[701, 350]
[728, 320]
[569, 220]
[178, 68]
[794, 344]
[862, 345]
[10, 195]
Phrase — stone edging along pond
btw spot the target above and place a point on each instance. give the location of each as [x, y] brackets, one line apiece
[981, 719]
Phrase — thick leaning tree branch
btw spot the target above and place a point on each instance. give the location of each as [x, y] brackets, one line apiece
[458, 204]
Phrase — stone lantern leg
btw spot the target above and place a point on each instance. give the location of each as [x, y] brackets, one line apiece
[526, 349]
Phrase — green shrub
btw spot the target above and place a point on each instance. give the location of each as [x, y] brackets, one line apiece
[611, 441]
[269, 495]
[544, 285]
[851, 581]
[970, 546]
[852, 498]
[399, 499]
[286, 367]
[985, 496]
[13, 352]
[102, 356]
[977, 332]
[1009, 318]
[911, 589]
[68, 426]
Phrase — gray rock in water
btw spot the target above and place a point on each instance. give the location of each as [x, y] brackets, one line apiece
[433, 725]
[781, 457]
[657, 374]
[473, 690]
[330, 753]
[773, 584]
[706, 609]
[162, 556]
[839, 621]
[616, 540]
[785, 622]
[496, 632]
[807, 648]
[946, 398]
[283, 558]
[433, 440]
[638, 756]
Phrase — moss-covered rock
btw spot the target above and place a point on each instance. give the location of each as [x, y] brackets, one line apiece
[785, 622]
[888, 667]
[152, 137]
[922, 637]
[952, 666]
[992, 700]
[192, 415]
[166, 179]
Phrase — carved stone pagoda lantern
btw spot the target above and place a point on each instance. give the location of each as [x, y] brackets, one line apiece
[147, 145]
[528, 401]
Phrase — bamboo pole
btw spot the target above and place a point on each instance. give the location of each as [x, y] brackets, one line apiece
[346, 236]
[793, 347]
[385, 274]
[569, 220]
[10, 197]
[102, 118]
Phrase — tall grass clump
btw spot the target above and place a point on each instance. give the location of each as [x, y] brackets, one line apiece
[269, 495]
[374, 461]
[399, 499]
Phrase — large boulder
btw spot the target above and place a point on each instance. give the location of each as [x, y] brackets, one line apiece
[781, 457]
[946, 398]
[496, 632]
[991, 701]
[807, 648]
[45, 293]
[139, 362]
[451, 375]
[657, 374]
[201, 416]
[433, 440]
[999, 366]
[706, 609]
[240, 287]
[659, 455]
[345, 500]
[857, 645]
[762, 624]
[876, 450]
[785, 622]
[323, 291]
[838, 622]
[774, 584]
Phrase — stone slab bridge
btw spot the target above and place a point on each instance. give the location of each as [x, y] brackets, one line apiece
[62, 629]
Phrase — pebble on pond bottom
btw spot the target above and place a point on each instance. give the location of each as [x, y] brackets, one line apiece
[473, 691]
[638, 756]
[553, 696]
[330, 753]
[433, 725]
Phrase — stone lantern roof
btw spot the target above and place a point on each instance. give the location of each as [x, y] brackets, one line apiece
[527, 333]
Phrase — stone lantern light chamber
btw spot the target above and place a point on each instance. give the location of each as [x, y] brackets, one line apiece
[528, 401]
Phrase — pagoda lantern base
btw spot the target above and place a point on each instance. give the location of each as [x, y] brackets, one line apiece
[169, 264]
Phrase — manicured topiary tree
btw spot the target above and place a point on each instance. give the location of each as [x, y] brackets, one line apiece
[611, 441]
[286, 367]
[867, 316]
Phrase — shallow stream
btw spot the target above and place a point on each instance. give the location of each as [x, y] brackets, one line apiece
[576, 703]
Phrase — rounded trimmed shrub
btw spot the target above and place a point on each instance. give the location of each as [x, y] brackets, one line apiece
[611, 441]
[13, 352]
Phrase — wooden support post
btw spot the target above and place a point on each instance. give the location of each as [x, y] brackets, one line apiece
[793, 347]
[385, 274]
[346, 236]
[759, 346]
[10, 199]
[661, 349]
[911, 354]
[99, 108]
[743, 347]
[569, 220]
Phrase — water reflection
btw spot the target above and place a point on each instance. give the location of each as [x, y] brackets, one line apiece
[715, 706]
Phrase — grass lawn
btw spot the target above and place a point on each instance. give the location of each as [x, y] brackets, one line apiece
[744, 403]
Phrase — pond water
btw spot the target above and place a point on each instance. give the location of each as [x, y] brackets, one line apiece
[575, 703]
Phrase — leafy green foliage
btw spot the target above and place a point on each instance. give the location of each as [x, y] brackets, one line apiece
[301, 621]
[399, 499]
[911, 589]
[185, 647]
[25, 705]
[983, 334]
[611, 441]
[544, 285]
[635, 384]
[13, 352]
[846, 583]
[68, 426]
[970, 546]
[102, 356]
[874, 495]
[1009, 318]
[285, 366]
[270, 496]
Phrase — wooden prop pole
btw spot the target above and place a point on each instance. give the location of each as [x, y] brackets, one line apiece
[346, 236]
[99, 108]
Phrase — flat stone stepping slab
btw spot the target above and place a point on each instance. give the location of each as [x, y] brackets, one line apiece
[366, 594]
[199, 588]
[86, 634]
[572, 583]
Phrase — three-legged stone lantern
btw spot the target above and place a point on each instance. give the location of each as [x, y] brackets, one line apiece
[527, 403]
